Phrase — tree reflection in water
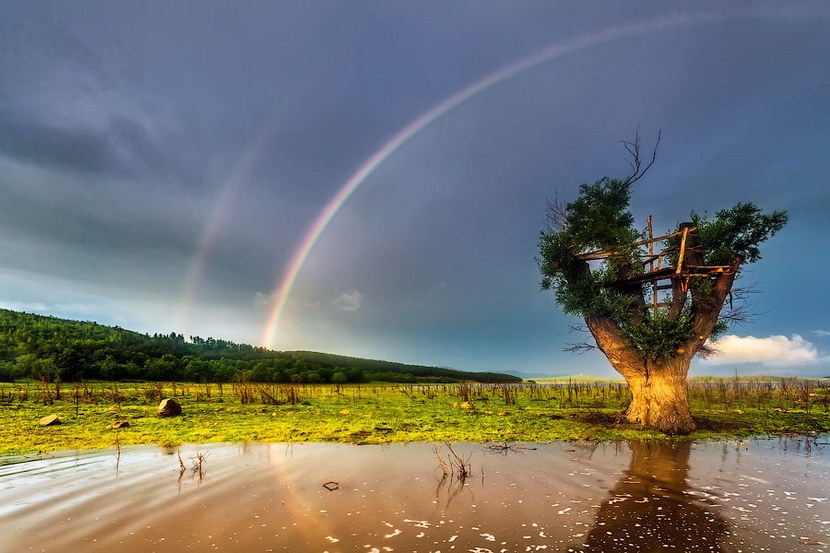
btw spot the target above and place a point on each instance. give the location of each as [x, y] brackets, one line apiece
[650, 508]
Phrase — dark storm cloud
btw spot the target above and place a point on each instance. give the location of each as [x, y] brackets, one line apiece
[122, 149]
[192, 145]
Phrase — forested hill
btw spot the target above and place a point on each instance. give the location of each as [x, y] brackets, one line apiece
[42, 347]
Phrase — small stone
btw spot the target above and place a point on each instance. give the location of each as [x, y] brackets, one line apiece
[50, 420]
[119, 424]
[169, 408]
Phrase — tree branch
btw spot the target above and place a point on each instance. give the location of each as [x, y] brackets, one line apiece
[741, 309]
[583, 346]
[616, 346]
[556, 213]
[678, 299]
[706, 308]
[633, 148]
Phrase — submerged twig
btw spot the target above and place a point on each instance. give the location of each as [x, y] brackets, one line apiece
[117, 452]
[505, 448]
[442, 466]
[459, 466]
[197, 462]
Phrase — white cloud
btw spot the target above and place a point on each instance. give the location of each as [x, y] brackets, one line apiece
[822, 333]
[28, 307]
[266, 302]
[262, 300]
[348, 301]
[772, 350]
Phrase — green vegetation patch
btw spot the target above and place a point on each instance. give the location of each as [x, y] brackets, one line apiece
[48, 348]
[527, 412]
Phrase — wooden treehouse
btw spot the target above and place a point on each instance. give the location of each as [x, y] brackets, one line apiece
[657, 271]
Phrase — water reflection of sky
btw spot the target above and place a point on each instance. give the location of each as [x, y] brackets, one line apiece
[769, 495]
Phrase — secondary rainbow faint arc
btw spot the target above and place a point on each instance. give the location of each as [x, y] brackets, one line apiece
[214, 223]
[283, 289]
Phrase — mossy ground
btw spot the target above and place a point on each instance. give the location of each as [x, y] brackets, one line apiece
[378, 413]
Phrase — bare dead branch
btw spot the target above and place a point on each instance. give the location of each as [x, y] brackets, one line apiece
[633, 148]
[579, 328]
[459, 466]
[579, 347]
[583, 346]
[741, 308]
[706, 351]
[556, 213]
[556, 208]
[442, 465]
[744, 291]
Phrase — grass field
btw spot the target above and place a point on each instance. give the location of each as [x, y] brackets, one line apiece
[527, 412]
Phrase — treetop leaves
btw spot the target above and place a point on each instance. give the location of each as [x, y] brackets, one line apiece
[600, 219]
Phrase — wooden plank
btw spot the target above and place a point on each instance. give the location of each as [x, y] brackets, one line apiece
[671, 273]
[602, 254]
[710, 268]
[702, 275]
[654, 290]
[662, 274]
[682, 250]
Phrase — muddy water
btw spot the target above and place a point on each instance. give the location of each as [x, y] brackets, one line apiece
[769, 495]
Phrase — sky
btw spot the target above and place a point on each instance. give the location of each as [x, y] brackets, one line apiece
[370, 178]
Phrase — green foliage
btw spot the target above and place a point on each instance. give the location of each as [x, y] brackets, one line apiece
[6, 371]
[599, 220]
[721, 327]
[737, 231]
[658, 337]
[48, 348]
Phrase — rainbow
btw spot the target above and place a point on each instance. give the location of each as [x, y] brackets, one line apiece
[279, 296]
[217, 217]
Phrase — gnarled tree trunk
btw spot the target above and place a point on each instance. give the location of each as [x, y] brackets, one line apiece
[659, 397]
[659, 394]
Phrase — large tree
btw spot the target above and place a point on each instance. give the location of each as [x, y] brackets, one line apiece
[650, 312]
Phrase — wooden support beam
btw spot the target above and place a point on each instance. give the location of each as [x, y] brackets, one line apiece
[687, 252]
[654, 289]
[602, 254]
[682, 250]
[668, 273]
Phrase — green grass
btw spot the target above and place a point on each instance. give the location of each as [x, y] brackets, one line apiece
[528, 412]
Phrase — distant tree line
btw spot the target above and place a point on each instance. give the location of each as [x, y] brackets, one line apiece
[49, 348]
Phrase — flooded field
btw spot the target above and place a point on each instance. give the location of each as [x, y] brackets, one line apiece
[764, 495]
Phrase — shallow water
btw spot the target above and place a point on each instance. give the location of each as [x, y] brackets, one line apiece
[769, 495]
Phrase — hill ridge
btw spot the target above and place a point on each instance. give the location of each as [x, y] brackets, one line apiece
[48, 347]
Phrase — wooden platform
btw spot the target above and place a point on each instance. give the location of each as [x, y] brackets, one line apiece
[689, 263]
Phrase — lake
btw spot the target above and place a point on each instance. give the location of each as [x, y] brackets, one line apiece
[757, 495]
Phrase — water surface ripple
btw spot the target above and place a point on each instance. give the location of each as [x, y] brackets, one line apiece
[761, 495]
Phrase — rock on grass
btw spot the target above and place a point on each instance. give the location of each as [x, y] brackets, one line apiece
[50, 420]
[169, 408]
